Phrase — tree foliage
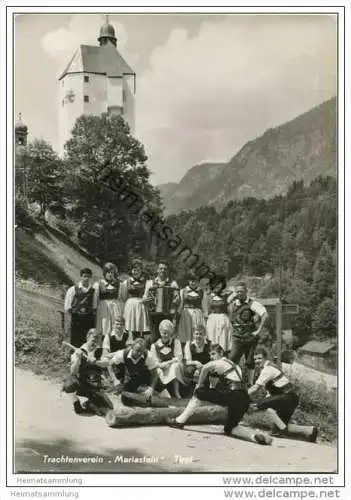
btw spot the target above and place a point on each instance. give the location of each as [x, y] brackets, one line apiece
[108, 217]
[39, 174]
[324, 320]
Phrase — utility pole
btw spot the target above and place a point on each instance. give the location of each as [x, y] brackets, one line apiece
[279, 308]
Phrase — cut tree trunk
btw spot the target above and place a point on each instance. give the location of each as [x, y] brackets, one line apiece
[123, 416]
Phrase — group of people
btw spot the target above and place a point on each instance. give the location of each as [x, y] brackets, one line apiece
[228, 318]
[152, 338]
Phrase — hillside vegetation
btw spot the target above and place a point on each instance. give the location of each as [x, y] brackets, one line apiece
[47, 257]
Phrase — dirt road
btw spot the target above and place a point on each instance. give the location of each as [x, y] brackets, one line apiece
[46, 427]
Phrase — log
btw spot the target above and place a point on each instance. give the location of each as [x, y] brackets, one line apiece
[124, 416]
[132, 399]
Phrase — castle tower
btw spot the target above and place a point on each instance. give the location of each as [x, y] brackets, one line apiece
[21, 132]
[96, 80]
[21, 173]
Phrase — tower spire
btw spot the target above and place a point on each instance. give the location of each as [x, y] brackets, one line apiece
[21, 132]
[107, 33]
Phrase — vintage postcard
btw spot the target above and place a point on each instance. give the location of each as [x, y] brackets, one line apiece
[175, 305]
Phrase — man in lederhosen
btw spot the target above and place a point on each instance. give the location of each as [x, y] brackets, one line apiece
[227, 390]
[248, 318]
[282, 401]
[80, 308]
[163, 295]
[140, 383]
[86, 377]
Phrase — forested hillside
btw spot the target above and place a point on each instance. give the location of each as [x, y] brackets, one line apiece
[289, 239]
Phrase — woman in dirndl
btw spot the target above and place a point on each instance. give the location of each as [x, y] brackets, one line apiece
[196, 353]
[136, 315]
[110, 304]
[218, 327]
[192, 307]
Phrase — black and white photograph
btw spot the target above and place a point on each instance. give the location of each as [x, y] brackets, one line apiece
[176, 301]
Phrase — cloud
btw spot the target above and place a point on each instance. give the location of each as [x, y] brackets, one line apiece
[82, 29]
[203, 97]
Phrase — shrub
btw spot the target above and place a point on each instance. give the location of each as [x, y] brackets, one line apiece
[67, 227]
[317, 398]
[23, 217]
[26, 339]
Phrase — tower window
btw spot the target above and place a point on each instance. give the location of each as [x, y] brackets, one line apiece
[86, 78]
[124, 96]
[86, 98]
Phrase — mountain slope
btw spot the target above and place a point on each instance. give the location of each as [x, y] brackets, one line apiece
[167, 189]
[300, 149]
[192, 185]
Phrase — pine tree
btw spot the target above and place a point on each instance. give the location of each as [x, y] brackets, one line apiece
[324, 322]
[303, 268]
[324, 274]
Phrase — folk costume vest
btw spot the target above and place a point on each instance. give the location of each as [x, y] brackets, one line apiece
[109, 291]
[82, 303]
[164, 352]
[203, 356]
[134, 372]
[136, 287]
[193, 297]
[242, 318]
[217, 303]
[89, 373]
[117, 344]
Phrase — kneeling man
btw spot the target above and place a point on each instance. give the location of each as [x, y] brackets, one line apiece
[86, 377]
[282, 399]
[229, 391]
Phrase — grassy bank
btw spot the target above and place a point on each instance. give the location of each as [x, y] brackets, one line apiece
[37, 329]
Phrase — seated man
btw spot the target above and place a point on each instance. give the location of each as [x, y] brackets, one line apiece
[168, 354]
[140, 376]
[86, 377]
[282, 400]
[229, 392]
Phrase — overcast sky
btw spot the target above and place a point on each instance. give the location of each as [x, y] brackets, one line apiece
[206, 84]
